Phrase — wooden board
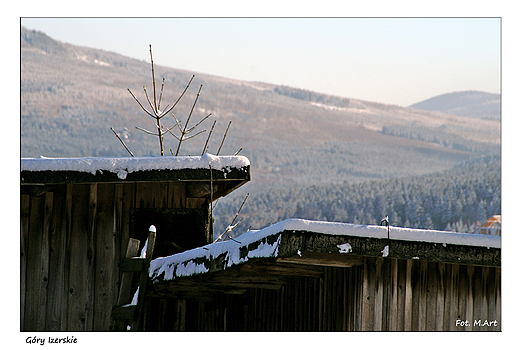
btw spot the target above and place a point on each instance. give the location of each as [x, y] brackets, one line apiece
[324, 259]
[106, 265]
[24, 236]
[79, 263]
[56, 294]
[32, 293]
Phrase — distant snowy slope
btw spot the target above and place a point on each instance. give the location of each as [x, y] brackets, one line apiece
[475, 104]
[72, 96]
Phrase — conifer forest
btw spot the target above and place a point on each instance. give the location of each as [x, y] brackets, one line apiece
[453, 200]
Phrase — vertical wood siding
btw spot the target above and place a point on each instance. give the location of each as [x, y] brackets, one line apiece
[382, 295]
[71, 241]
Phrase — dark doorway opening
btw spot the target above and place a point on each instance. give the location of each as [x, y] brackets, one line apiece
[177, 229]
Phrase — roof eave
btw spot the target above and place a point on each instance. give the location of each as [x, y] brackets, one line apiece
[306, 253]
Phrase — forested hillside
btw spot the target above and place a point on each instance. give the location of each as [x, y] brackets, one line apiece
[71, 96]
[451, 200]
[313, 156]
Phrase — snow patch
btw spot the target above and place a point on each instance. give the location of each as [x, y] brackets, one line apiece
[344, 248]
[385, 251]
[101, 63]
[190, 268]
[121, 174]
[228, 253]
[342, 109]
[135, 299]
[82, 58]
[143, 251]
[256, 87]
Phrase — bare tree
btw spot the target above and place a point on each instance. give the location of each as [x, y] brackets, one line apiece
[157, 113]
[186, 132]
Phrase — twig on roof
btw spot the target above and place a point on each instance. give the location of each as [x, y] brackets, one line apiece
[232, 225]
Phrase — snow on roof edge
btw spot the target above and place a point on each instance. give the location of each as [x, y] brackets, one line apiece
[183, 264]
[133, 164]
[398, 233]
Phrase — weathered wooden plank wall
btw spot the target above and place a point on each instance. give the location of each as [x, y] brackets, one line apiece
[24, 234]
[428, 296]
[72, 239]
[382, 295]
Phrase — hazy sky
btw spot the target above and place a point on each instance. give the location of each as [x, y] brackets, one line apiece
[394, 60]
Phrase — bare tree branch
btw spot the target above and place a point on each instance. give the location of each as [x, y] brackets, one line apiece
[207, 140]
[153, 82]
[175, 104]
[144, 109]
[232, 226]
[185, 89]
[193, 127]
[115, 133]
[160, 96]
[169, 131]
[159, 131]
[211, 194]
[162, 114]
[178, 123]
[161, 140]
[218, 152]
[150, 102]
[146, 131]
[193, 107]
[187, 122]
[192, 136]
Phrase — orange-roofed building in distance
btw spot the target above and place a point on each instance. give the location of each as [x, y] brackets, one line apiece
[491, 227]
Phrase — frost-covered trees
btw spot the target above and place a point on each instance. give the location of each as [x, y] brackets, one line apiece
[453, 200]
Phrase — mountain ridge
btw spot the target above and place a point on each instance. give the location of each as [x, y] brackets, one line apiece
[72, 95]
[470, 103]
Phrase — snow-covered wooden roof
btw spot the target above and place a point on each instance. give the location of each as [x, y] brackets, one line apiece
[133, 164]
[56, 170]
[330, 244]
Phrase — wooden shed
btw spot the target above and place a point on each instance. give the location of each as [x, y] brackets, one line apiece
[301, 275]
[77, 218]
